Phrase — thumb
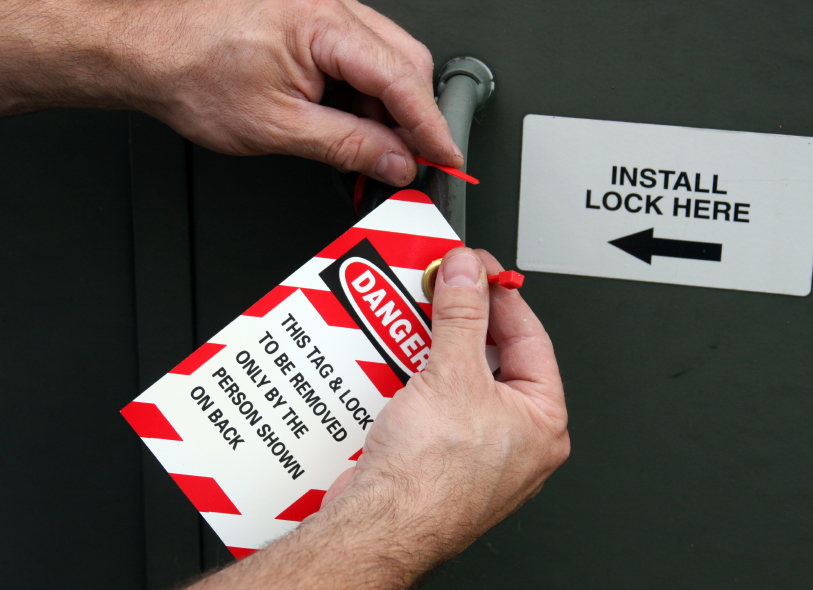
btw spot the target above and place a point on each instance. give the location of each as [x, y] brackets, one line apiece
[352, 143]
[459, 315]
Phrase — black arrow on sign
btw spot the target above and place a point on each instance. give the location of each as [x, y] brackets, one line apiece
[644, 246]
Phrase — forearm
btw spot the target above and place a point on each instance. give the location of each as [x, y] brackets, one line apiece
[352, 543]
[52, 54]
[67, 53]
[243, 77]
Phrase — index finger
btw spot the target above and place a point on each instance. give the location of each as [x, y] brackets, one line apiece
[349, 50]
[527, 362]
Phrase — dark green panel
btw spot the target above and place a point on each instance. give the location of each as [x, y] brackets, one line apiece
[72, 514]
[257, 219]
[691, 409]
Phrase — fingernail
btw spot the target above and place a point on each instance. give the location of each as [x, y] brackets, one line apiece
[458, 152]
[392, 168]
[461, 270]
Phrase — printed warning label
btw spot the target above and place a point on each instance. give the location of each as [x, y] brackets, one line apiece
[666, 204]
[257, 423]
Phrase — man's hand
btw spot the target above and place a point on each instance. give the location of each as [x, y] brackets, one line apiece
[237, 76]
[456, 451]
[451, 454]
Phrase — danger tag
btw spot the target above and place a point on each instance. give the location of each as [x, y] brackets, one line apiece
[256, 424]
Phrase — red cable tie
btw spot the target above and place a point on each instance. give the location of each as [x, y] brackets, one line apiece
[510, 279]
[448, 170]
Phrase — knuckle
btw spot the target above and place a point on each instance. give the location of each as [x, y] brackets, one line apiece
[432, 129]
[553, 451]
[401, 69]
[534, 331]
[432, 120]
[404, 66]
[552, 442]
[423, 56]
[319, 5]
[347, 152]
[460, 314]
[459, 250]
[323, 16]
[562, 450]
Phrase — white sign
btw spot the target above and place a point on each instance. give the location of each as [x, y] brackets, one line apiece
[700, 207]
[257, 423]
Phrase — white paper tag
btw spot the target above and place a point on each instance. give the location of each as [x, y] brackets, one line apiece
[257, 423]
[666, 204]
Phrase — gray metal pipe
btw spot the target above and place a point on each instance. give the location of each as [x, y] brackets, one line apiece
[464, 86]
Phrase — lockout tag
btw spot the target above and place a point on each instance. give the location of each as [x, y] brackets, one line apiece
[256, 424]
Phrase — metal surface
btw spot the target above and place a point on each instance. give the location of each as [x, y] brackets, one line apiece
[691, 409]
[464, 86]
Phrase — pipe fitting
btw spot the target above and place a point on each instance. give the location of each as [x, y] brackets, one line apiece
[474, 69]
